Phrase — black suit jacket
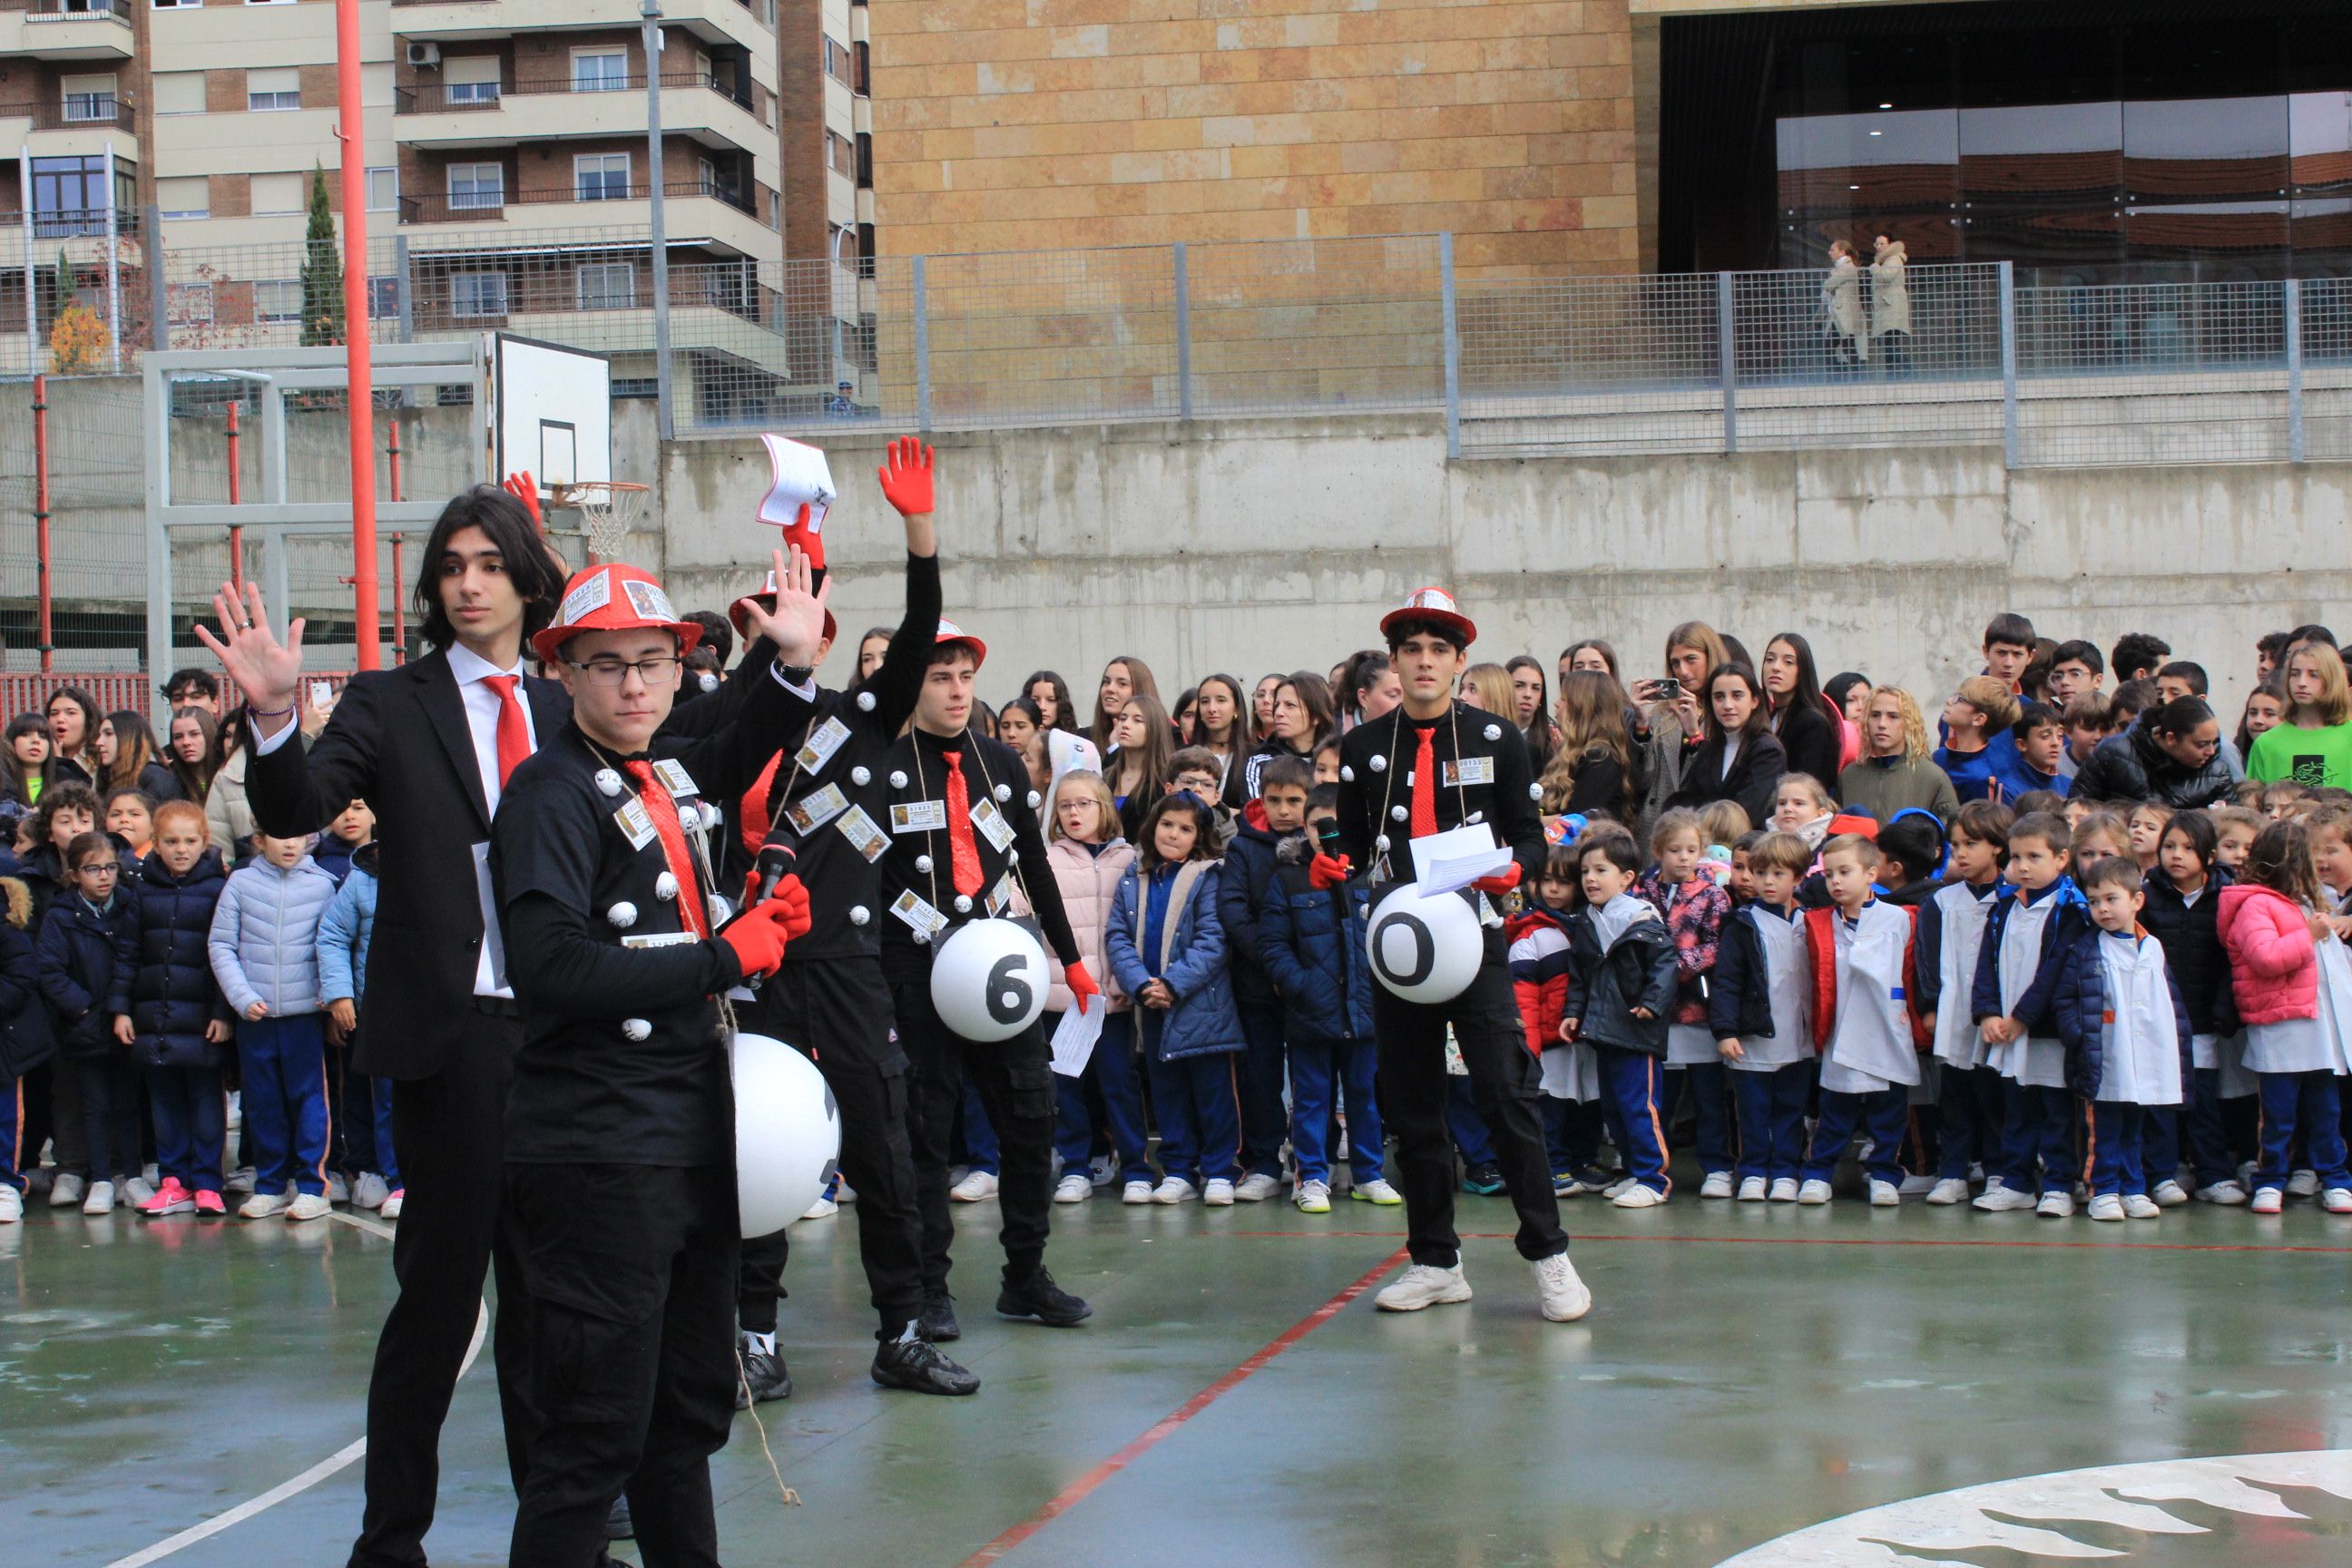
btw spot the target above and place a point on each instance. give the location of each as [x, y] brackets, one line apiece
[399, 741]
[1755, 777]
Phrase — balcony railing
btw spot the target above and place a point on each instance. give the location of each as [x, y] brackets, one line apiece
[764, 10]
[66, 223]
[438, 99]
[79, 109]
[485, 208]
[71, 10]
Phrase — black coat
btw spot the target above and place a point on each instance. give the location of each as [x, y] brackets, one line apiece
[1811, 743]
[1603, 988]
[399, 741]
[2192, 949]
[1755, 776]
[25, 1038]
[1498, 791]
[163, 971]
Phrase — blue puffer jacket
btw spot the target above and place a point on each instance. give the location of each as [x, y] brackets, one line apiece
[1245, 880]
[1188, 953]
[2080, 1005]
[163, 971]
[264, 943]
[345, 930]
[26, 1040]
[77, 945]
[1312, 940]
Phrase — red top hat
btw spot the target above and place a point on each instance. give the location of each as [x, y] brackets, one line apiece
[766, 599]
[951, 632]
[612, 598]
[1432, 604]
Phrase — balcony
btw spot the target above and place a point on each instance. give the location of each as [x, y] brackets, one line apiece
[693, 212]
[696, 105]
[463, 21]
[79, 112]
[59, 30]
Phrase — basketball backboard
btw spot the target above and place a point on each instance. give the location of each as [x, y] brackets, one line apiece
[553, 412]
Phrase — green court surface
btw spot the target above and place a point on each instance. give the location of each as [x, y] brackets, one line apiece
[1748, 1372]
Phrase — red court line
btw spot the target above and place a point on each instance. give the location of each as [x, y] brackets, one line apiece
[1077, 1491]
[1594, 1238]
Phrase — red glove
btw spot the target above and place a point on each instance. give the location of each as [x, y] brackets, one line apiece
[1082, 984]
[757, 941]
[525, 488]
[1499, 884]
[800, 536]
[907, 477]
[1326, 873]
[788, 907]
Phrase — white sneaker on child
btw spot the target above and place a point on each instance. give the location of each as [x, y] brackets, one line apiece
[100, 1198]
[1884, 1194]
[2107, 1207]
[66, 1190]
[1950, 1190]
[1136, 1193]
[1376, 1191]
[12, 1205]
[2169, 1193]
[1638, 1196]
[2337, 1200]
[2139, 1206]
[977, 1186]
[2303, 1184]
[339, 1191]
[1424, 1285]
[1075, 1188]
[2267, 1200]
[1752, 1190]
[1784, 1190]
[1813, 1193]
[1174, 1190]
[1218, 1194]
[310, 1206]
[823, 1208]
[2056, 1204]
[1617, 1188]
[1999, 1197]
[1913, 1186]
[1717, 1185]
[391, 1201]
[2227, 1194]
[369, 1191]
[137, 1192]
[1256, 1188]
[1563, 1296]
[1313, 1197]
[262, 1205]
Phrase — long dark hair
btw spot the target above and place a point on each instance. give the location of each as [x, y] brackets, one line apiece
[1204, 831]
[538, 574]
[197, 779]
[13, 777]
[1151, 760]
[134, 748]
[1537, 730]
[1140, 683]
[1244, 735]
[1064, 719]
[1315, 696]
[2275, 689]
[1757, 719]
[1808, 693]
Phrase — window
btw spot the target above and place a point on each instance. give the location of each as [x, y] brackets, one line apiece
[275, 194]
[473, 185]
[89, 98]
[608, 286]
[188, 195]
[179, 5]
[601, 176]
[179, 92]
[189, 304]
[470, 78]
[70, 195]
[273, 89]
[478, 293]
[382, 190]
[383, 298]
[277, 299]
[836, 61]
[840, 153]
[600, 71]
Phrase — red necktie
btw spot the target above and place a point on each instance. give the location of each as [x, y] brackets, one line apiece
[658, 806]
[963, 855]
[514, 729]
[1424, 785]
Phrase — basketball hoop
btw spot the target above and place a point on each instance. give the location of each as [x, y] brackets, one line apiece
[610, 511]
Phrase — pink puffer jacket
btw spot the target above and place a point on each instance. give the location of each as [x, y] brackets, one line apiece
[1089, 882]
[2273, 967]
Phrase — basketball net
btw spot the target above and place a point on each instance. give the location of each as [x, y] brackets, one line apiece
[610, 511]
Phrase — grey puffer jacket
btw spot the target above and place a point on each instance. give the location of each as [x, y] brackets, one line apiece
[264, 942]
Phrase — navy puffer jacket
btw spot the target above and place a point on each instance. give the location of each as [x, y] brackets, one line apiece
[76, 948]
[1316, 954]
[26, 1041]
[163, 974]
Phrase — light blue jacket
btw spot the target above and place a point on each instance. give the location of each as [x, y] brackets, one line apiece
[265, 938]
[345, 930]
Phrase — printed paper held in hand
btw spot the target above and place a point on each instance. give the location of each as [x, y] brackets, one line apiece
[1451, 860]
[1075, 1036]
[802, 479]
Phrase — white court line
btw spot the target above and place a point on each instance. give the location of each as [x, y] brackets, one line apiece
[340, 1460]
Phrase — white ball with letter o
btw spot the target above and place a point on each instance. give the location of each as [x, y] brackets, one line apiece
[787, 1133]
[988, 980]
[1424, 949]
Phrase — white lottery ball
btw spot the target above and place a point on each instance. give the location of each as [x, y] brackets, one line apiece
[988, 980]
[1424, 949]
[787, 1134]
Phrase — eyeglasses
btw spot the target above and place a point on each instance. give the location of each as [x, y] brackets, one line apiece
[109, 869]
[612, 671]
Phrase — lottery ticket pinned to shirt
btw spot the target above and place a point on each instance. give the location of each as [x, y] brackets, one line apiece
[802, 479]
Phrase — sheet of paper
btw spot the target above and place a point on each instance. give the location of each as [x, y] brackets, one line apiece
[1075, 1037]
[803, 478]
[1449, 861]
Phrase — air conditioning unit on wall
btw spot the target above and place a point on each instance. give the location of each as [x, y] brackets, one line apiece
[424, 53]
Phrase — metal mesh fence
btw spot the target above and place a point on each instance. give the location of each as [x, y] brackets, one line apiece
[97, 527]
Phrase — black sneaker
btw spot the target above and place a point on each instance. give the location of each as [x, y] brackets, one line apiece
[937, 1323]
[1484, 1180]
[764, 1377]
[921, 1366]
[1038, 1297]
[618, 1525]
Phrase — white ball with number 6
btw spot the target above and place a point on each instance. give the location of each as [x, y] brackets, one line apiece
[787, 1133]
[988, 980]
[1424, 950]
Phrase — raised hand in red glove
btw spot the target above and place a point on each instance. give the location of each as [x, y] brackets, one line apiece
[525, 488]
[1082, 984]
[1326, 873]
[907, 477]
[799, 535]
[1499, 884]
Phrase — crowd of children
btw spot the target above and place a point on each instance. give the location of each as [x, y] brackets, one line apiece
[2078, 950]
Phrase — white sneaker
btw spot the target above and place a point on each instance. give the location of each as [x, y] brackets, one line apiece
[1814, 1193]
[1376, 1191]
[2169, 1195]
[2267, 1200]
[2001, 1198]
[2337, 1200]
[66, 1190]
[1752, 1190]
[2303, 1184]
[2139, 1206]
[1561, 1293]
[1424, 1286]
[1617, 1188]
[2056, 1204]
[137, 1191]
[1313, 1197]
[1256, 1188]
[310, 1206]
[1784, 1190]
[12, 1205]
[1717, 1185]
[1075, 1188]
[977, 1187]
[1136, 1193]
[369, 1191]
[823, 1208]
[844, 1193]
[1884, 1194]
[100, 1199]
[1638, 1196]
[339, 1191]
[391, 1202]
[2229, 1194]
[1174, 1190]
[1218, 1194]
[262, 1205]
[1950, 1190]
[2107, 1207]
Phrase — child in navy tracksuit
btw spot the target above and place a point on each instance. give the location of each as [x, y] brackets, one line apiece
[1861, 957]
[1278, 816]
[361, 1106]
[79, 938]
[264, 947]
[2127, 1035]
[1950, 936]
[1312, 943]
[170, 1013]
[2017, 975]
[1169, 952]
[1693, 907]
[26, 1040]
[1760, 1011]
[1621, 985]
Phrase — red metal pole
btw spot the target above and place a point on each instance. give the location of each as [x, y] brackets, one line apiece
[399, 619]
[359, 396]
[41, 513]
[236, 493]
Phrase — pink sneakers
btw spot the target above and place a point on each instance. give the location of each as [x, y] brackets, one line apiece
[209, 1202]
[170, 1198]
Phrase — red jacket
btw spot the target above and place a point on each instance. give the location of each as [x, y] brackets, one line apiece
[2273, 966]
[1821, 950]
[1538, 959]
